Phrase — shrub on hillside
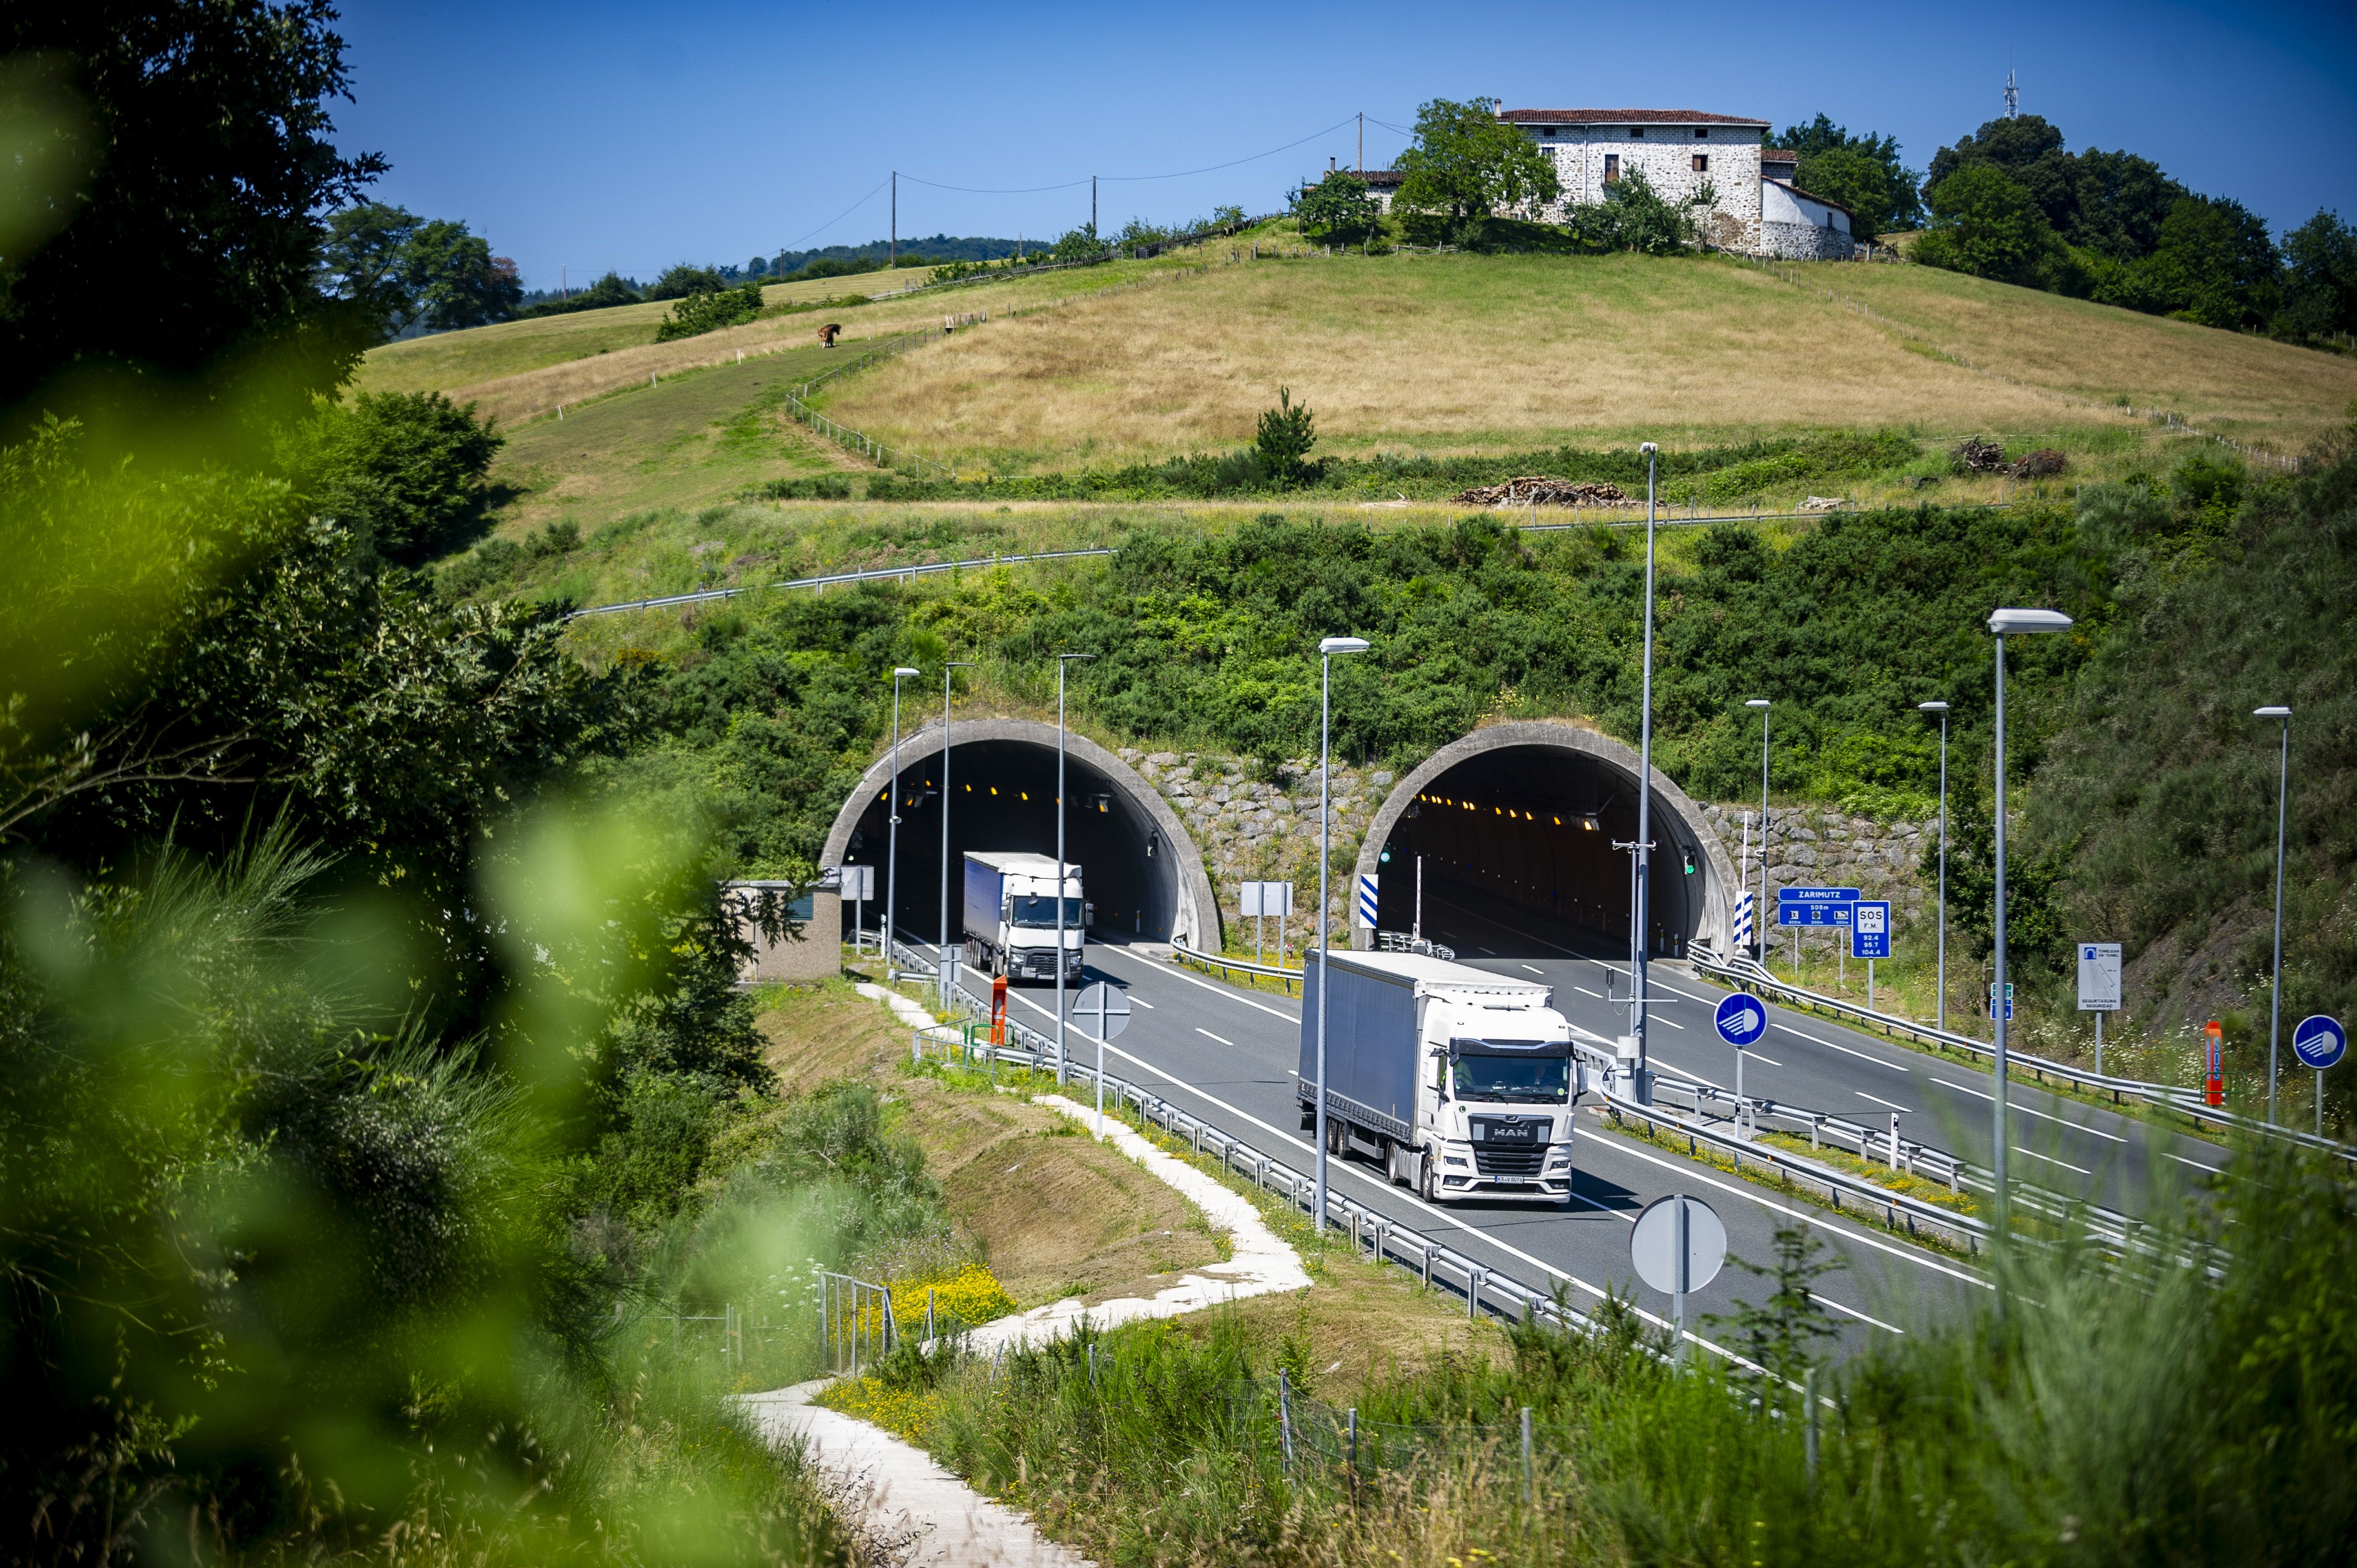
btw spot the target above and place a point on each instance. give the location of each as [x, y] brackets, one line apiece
[682, 280]
[700, 313]
[403, 471]
[606, 292]
[1286, 433]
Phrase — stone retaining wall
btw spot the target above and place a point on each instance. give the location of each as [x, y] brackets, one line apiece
[1818, 847]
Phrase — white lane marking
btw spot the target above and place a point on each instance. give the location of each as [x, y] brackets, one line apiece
[1142, 1001]
[1755, 1056]
[1231, 1045]
[2012, 1104]
[1895, 1066]
[1584, 992]
[2197, 1165]
[1688, 1172]
[1542, 975]
[1385, 1187]
[1487, 953]
[2050, 1160]
[1879, 1101]
[1175, 973]
[1862, 1317]
[1651, 980]
[1652, 1018]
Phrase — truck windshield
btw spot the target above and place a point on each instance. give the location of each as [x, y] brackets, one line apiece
[1541, 1080]
[1041, 911]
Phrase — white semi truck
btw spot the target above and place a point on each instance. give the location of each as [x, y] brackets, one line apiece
[1458, 1081]
[1010, 915]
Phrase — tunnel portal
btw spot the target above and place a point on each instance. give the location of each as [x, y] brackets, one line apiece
[1139, 870]
[1516, 828]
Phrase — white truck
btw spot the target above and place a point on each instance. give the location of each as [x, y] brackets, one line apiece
[1010, 915]
[1458, 1081]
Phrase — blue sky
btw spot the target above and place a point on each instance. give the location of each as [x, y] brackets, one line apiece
[595, 135]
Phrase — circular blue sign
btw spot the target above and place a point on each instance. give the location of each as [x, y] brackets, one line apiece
[1741, 1019]
[2318, 1041]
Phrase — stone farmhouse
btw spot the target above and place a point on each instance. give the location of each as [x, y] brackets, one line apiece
[1758, 209]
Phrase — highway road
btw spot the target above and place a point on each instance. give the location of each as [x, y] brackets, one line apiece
[1229, 1056]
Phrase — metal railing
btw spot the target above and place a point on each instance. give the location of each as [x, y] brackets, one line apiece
[855, 1323]
[1748, 975]
[1182, 953]
[872, 574]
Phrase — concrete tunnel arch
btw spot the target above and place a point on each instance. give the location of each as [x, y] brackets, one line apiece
[1550, 770]
[1135, 856]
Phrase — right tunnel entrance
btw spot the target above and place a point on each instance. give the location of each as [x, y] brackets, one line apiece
[1522, 834]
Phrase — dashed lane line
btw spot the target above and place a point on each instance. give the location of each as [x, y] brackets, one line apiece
[1208, 1036]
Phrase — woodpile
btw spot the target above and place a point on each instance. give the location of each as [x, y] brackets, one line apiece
[1537, 489]
[1978, 456]
[2042, 464]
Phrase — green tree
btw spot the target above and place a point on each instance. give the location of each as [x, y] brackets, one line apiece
[456, 280]
[1863, 173]
[2027, 150]
[681, 280]
[1286, 433]
[1986, 223]
[402, 471]
[1633, 217]
[1337, 208]
[1466, 163]
[1078, 244]
[2215, 264]
[2321, 278]
[710, 311]
[210, 152]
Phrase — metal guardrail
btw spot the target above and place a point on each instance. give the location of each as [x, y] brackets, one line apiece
[873, 574]
[1377, 1236]
[1182, 953]
[1747, 974]
[845, 1306]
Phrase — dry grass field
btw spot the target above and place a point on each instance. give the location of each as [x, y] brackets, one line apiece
[1465, 353]
[519, 371]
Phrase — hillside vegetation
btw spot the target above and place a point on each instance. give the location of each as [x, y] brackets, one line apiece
[1467, 353]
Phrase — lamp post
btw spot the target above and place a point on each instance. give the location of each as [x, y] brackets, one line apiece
[1644, 800]
[892, 818]
[1063, 662]
[942, 963]
[1327, 649]
[1760, 916]
[1942, 709]
[2006, 623]
[2275, 990]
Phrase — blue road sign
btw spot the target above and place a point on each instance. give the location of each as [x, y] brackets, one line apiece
[2320, 1042]
[2008, 1000]
[1741, 1020]
[1814, 905]
[1870, 931]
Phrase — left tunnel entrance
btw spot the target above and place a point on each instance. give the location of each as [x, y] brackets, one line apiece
[1142, 877]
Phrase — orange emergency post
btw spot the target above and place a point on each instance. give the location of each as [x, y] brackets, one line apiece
[997, 1009]
[2214, 1078]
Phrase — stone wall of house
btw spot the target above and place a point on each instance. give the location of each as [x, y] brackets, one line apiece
[1818, 847]
[1805, 242]
[1251, 831]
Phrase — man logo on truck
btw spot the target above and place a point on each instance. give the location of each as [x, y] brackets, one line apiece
[1458, 1081]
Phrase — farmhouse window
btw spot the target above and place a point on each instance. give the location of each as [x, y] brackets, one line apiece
[1548, 132]
[1701, 132]
[1611, 167]
[1702, 163]
[1636, 133]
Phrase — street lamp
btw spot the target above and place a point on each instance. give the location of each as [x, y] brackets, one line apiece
[1064, 662]
[942, 963]
[1760, 916]
[1644, 851]
[2274, 991]
[1942, 709]
[2006, 623]
[892, 835]
[1327, 649]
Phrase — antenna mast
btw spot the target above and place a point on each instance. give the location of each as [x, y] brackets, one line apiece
[2012, 98]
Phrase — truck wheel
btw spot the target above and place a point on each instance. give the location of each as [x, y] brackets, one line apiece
[1427, 1178]
[1338, 1136]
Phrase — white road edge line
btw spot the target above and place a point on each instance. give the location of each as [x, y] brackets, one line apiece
[2050, 1160]
[1879, 1100]
[1232, 1046]
[2015, 1105]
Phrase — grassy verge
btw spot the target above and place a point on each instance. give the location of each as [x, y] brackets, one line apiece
[1995, 1439]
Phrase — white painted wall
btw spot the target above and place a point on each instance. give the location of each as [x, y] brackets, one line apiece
[1781, 203]
[1665, 153]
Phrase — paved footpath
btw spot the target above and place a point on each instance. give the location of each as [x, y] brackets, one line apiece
[898, 1492]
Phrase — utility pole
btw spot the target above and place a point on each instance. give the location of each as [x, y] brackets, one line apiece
[1092, 207]
[1362, 143]
[896, 217]
[1643, 848]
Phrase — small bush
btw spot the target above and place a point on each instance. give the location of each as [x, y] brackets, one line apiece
[403, 471]
[700, 313]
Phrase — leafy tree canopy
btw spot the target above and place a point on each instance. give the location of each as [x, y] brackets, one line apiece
[1987, 223]
[2320, 277]
[1337, 208]
[679, 281]
[414, 272]
[1862, 172]
[207, 150]
[402, 471]
[1466, 163]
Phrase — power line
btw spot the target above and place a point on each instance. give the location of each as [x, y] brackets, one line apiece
[984, 190]
[840, 216]
[1214, 169]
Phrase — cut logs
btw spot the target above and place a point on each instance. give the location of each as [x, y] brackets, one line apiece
[1537, 489]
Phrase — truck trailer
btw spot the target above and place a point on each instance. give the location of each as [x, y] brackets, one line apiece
[1458, 1081]
[1010, 915]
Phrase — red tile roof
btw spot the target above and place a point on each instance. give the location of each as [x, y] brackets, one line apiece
[1778, 155]
[1623, 117]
